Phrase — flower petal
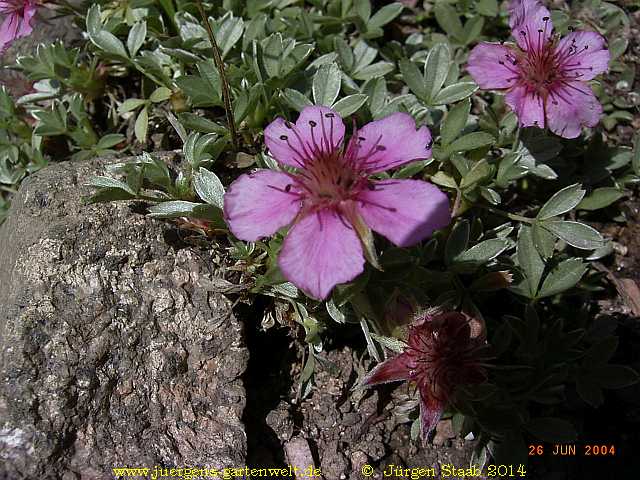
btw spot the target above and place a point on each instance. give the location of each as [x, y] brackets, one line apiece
[431, 409]
[490, 67]
[404, 211]
[389, 143]
[257, 204]
[571, 107]
[17, 22]
[320, 251]
[583, 55]
[530, 23]
[318, 130]
[394, 369]
[528, 105]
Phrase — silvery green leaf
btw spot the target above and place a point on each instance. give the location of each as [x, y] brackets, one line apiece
[209, 187]
[393, 344]
[136, 37]
[436, 68]
[482, 253]
[227, 30]
[529, 259]
[575, 234]
[563, 277]
[385, 15]
[142, 124]
[457, 241]
[108, 182]
[454, 93]
[295, 99]
[413, 78]
[173, 209]
[455, 121]
[449, 20]
[562, 202]
[378, 69]
[349, 105]
[326, 84]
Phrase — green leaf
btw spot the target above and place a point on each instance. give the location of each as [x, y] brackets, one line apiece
[471, 141]
[473, 29]
[575, 234]
[483, 252]
[200, 124]
[142, 125]
[363, 9]
[227, 30]
[110, 140]
[457, 241]
[413, 78]
[562, 201]
[108, 182]
[600, 198]
[209, 187]
[393, 344]
[552, 430]
[378, 69]
[345, 54]
[563, 277]
[455, 121]
[449, 20]
[454, 93]
[350, 104]
[488, 8]
[479, 171]
[436, 68]
[589, 391]
[411, 169]
[295, 99]
[136, 37]
[635, 160]
[108, 42]
[385, 15]
[130, 104]
[173, 209]
[160, 94]
[615, 376]
[529, 259]
[326, 84]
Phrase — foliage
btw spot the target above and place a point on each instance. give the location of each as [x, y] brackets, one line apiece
[522, 198]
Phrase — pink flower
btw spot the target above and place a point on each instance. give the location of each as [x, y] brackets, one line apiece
[544, 77]
[18, 15]
[331, 199]
[441, 354]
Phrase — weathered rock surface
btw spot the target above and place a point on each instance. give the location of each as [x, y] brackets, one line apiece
[111, 353]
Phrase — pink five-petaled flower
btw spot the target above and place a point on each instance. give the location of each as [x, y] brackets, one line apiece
[331, 199]
[545, 77]
[17, 16]
[441, 354]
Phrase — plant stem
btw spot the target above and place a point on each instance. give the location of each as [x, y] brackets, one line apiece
[511, 216]
[217, 58]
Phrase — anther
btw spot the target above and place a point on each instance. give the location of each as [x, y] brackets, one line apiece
[523, 33]
[283, 137]
[312, 123]
[381, 148]
[329, 115]
[371, 186]
[362, 139]
[500, 62]
[287, 188]
[540, 30]
[288, 125]
[545, 19]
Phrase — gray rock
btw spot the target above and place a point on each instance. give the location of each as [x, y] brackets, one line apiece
[110, 353]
